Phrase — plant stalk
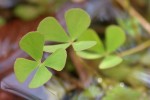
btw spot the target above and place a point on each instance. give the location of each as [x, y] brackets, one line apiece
[135, 49]
[82, 72]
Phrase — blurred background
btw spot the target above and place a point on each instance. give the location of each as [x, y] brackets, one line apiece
[128, 81]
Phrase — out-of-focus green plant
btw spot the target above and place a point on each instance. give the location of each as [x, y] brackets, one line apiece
[115, 37]
[2, 21]
[131, 26]
[122, 93]
[28, 12]
[78, 37]
[49, 29]
[91, 93]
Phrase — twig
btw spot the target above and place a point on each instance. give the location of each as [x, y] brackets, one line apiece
[134, 13]
[135, 49]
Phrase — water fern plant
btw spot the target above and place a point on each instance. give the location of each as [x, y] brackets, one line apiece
[84, 42]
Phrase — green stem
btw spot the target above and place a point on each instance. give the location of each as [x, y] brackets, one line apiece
[135, 49]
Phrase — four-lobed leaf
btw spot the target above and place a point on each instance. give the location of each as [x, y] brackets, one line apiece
[23, 67]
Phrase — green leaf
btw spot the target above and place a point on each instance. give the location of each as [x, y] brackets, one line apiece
[53, 48]
[52, 30]
[23, 68]
[110, 61]
[56, 60]
[41, 77]
[115, 37]
[83, 45]
[77, 21]
[122, 93]
[32, 43]
[88, 55]
[91, 35]
[26, 12]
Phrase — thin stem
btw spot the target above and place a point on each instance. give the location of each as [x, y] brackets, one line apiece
[135, 49]
[82, 72]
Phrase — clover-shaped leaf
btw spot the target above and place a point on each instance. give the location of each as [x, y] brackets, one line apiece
[77, 21]
[33, 43]
[115, 37]
[94, 52]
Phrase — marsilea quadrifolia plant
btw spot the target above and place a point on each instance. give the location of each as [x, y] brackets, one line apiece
[84, 41]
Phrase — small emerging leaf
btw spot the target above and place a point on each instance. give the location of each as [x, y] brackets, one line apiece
[115, 37]
[32, 43]
[23, 68]
[40, 78]
[77, 21]
[53, 48]
[110, 61]
[83, 45]
[56, 60]
[52, 30]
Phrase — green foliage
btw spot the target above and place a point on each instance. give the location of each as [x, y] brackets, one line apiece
[53, 48]
[131, 25]
[115, 37]
[2, 21]
[39, 1]
[91, 35]
[122, 93]
[91, 93]
[83, 45]
[77, 22]
[23, 68]
[119, 73]
[27, 12]
[33, 44]
[41, 76]
[52, 30]
[84, 41]
[56, 60]
[110, 61]
[49, 29]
